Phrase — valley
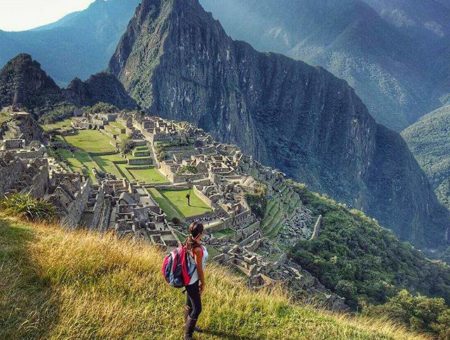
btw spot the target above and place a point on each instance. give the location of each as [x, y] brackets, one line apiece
[319, 215]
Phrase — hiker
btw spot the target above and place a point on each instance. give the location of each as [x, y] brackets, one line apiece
[196, 285]
[188, 197]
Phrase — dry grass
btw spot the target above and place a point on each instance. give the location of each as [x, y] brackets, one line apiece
[57, 284]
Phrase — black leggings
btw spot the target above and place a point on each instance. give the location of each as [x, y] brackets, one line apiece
[193, 300]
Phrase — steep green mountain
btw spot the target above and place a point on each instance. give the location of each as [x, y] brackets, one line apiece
[429, 141]
[392, 70]
[78, 45]
[24, 85]
[359, 260]
[176, 61]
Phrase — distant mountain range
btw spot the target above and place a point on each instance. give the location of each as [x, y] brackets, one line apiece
[429, 141]
[177, 62]
[78, 45]
[395, 53]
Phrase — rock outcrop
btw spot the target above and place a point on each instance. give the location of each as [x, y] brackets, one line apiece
[176, 61]
[101, 87]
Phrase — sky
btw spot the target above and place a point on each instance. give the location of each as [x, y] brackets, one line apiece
[19, 15]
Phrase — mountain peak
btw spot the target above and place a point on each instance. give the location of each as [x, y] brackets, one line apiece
[24, 84]
[177, 62]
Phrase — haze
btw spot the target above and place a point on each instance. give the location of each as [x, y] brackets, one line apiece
[20, 15]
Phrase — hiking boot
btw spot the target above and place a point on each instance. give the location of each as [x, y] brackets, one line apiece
[187, 311]
[189, 328]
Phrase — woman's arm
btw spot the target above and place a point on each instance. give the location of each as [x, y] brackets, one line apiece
[199, 263]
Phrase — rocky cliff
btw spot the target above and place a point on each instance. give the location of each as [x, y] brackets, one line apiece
[390, 51]
[101, 87]
[177, 61]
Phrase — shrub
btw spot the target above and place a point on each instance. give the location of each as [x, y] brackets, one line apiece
[418, 313]
[257, 203]
[176, 221]
[102, 108]
[57, 114]
[25, 206]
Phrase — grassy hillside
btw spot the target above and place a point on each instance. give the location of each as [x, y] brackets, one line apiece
[429, 141]
[59, 284]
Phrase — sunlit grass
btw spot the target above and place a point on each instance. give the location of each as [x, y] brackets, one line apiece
[79, 285]
[61, 125]
[91, 141]
[148, 175]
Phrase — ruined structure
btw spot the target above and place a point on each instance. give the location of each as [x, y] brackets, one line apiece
[217, 174]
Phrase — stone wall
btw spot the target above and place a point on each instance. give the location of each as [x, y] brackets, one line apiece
[8, 174]
[76, 208]
[140, 161]
[98, 208]
[40, 183]
[202, 196]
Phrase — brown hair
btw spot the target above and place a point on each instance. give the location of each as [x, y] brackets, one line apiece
[195, 229]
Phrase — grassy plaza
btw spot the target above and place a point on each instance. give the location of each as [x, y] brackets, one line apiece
[91, 141]
[178, 199]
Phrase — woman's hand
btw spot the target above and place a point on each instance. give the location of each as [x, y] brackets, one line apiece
[202, 286]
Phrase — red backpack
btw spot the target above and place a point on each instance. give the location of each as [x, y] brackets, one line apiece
[178, 267]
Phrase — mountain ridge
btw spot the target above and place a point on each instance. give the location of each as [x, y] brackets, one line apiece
[320, 131]
[24, 85]
[429, 141]
[80, 43]
[350, 38]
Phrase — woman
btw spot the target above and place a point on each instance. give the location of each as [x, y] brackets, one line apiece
[196, 286]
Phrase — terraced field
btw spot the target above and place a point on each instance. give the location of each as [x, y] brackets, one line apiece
[95, 151]
[165, 205]
[279, 207]
[118, 129]
[80, 161]
[148, 175]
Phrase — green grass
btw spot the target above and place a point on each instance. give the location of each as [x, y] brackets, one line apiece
[179, 201]
[107, 165]
[79, 161]
[116, 128]
[147, 175]
[91, 141]
[165, 205]
[62, 125]
[4, 116]
[57, 284]
[224, 233]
